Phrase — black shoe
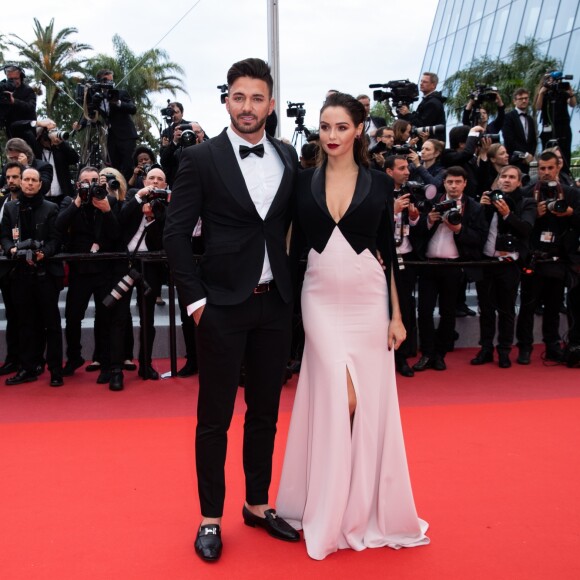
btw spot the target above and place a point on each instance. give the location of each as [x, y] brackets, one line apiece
[56, 379]
[187, 370]
[464, 310]
[272, 523]
[404, 369]
[439, 363]
[71, 366]
[524, 356]
[423, 364]
[93, 367]
[483, 356]
[104, 377]
[554, 353]
[116, 382]
[208, 543]
[22, 376]
[504, 360]
[129, 365]
[8, 368]
[148, 372]
[39, 369]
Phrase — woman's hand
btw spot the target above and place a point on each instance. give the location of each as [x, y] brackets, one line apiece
[396, 334]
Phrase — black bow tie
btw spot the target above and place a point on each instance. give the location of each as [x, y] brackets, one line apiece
[523, 114]
[245, 151]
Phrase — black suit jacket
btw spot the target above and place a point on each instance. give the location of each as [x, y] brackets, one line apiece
[210, 185]
[130, 218]
[120, 120]
[514, 136]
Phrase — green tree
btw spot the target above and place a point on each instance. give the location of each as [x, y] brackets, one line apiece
[55, 59]
[524, 67]
[141, 75]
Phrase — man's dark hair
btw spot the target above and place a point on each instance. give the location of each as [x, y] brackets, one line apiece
[458, 135]
[390, 161]
[520, 91]
[361, 96]
[255, 68]
[87, 169]
[455, 171]
[104, 72]
[381, 130]
[176, 104]
[548, 156]
[308, 151]
[12, 164]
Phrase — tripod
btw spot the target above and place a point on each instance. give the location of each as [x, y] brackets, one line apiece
[300, 132]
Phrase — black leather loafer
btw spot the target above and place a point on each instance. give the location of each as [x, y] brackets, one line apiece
[116, 381]
[404, 369]
[71, 366]
[22, 376]
[93, 367]
[438, 363]
[272, 523]
[208, 543]
[423, 364]
[504, 361]
[524, 356]
[148, 373]
[56, 379]
[104, 377]
[187, 370]
[482, 357]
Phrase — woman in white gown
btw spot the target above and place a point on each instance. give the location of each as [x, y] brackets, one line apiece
[345, 480]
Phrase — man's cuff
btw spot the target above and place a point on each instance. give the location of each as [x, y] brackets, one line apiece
[191, 308]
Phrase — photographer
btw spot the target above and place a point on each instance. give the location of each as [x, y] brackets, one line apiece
[29, 236]
[455, 229]
[553, 97]
[17, 103]
[90, 220]
[18, 150]
[511, 217]
[553, 238]
[427, 168]
[174, 113]
[385, 137]
[491, 161]
[143, 159]
[142, 219]
[371, 123]
[475, 113]
[519, 131]
[118, 107]
[430, 110]
[184, 135]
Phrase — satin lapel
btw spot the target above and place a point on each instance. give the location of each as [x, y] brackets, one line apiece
[318, 186]
[362, 189]
[229, 171]
[281, 196]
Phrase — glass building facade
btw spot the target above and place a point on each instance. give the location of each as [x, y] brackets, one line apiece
[467, 29]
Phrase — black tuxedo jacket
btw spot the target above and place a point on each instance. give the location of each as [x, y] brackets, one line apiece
[130, 218]
[210, 185]
[514, 136]
[119, 119]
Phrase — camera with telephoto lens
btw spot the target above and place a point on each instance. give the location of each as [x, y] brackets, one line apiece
[483, 93]
[26, 250]
[188, 138]
[493, 136]
[557, 205]
[6, 86]
[89, 191]
[402, 92]
[158, 199]
[434, 132]
[403, 149]
[549, 190]
[419, 195]
[124, 285]
[448, 210]
[112, 181]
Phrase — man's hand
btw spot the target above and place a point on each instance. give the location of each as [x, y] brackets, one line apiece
[413, 212]
[197, 314]
[542, 209]
[102, 204]
[403, 110]
[455, 228]
[402, 203]
[433, 217]
[177, 134]
[413, 157]
[502, 207]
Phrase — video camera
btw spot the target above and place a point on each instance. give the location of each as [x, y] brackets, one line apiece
[223, 93]
[555, 81]
[298, 112]
[483, 93]
[26, 250]
[403, 92]
[167, 112]
[89, 191]
[93, 93]
[6, 86]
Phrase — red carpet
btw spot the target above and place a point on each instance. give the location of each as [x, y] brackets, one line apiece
[101, 485]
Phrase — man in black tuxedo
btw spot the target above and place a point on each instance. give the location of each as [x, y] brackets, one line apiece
[519, 129]
[371, 123]
[240, 184]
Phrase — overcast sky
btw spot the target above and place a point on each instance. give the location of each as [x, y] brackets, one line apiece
[342, 44]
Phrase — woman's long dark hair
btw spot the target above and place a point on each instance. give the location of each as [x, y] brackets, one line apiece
[357, 114]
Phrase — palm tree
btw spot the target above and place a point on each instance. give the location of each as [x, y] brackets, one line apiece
[524, 66]
[141, 75]
[55, 59]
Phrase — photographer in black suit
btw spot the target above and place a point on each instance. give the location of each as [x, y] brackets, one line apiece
[17, 103]
[511, 217]
[118, 108]
[519, 130]
[240, 296]
[371, 123]
[142, 221]
[430, 110]
[29, 236]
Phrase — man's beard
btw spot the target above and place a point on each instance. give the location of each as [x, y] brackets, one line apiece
[248, 129]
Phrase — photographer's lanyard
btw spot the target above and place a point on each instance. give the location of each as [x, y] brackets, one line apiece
[141, 238]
